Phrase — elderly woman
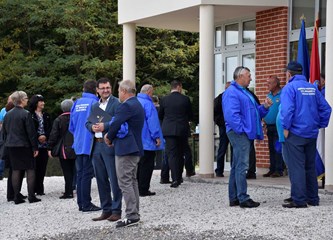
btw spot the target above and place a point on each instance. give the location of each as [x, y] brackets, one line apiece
[61, 136]
[22, 146]
[42, 122]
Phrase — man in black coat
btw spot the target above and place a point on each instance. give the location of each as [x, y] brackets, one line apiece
[175, 114]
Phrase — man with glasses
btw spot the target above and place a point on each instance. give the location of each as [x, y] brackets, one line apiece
[103, 157]
[242, 115]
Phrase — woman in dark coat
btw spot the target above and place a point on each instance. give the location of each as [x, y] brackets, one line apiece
[42, 122]
[66, 155]
[21, 145]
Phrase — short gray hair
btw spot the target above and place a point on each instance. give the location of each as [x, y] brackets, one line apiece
[145, 88]
[66, 105]
[128, 86]
[17, 97]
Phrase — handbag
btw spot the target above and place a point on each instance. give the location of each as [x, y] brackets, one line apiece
[56, 150]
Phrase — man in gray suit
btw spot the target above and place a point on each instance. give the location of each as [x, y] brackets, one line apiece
[125, 133]
[175, 114]
[103, 157]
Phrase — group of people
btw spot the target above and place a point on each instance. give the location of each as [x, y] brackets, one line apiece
[24, 134]
[292, 117]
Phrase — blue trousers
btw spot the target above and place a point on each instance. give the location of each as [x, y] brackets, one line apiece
[85, 172]
[300, 155]
[103, 160]
[237, 180]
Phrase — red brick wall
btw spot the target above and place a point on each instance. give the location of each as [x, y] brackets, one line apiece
[271, 58]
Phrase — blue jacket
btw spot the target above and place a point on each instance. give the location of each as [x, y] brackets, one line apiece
[151, 129]
[240, 112]
[131, 112]
[79, 115]
[303, 108]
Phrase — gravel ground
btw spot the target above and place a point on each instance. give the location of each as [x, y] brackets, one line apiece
[198, 209]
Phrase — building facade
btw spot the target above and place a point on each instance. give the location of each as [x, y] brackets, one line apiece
[259, 34]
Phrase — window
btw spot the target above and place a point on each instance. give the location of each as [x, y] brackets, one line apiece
[249, 31]
[303, 8]
[322, 12]
[231, 34]
[218, 36]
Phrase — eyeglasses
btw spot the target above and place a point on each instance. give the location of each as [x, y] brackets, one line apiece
[105, 88]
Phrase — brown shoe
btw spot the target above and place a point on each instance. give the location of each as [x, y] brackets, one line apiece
[102, 217]
[114, 217]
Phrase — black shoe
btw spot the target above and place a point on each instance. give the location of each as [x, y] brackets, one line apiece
[175, 184]
[234, 203]
[251, 176]
[92, 208]
[149, 193]
[268, 174]
[165, 181]
[1, 177]
[33, 199]
[190, 174]
[66, 196]
[219, 175]
[40, 193]
[127, 222]
[288, 200]
[20, 195]
[19, 201]
[249, 204]
[313, 204]
[293, 205]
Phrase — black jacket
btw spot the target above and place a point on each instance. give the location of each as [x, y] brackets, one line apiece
[175, 114]
[59, 129]
[46, 121]
[19, 130]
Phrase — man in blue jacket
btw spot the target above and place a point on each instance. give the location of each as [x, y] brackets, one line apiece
[242, 116]
[152, 140]
[303, 111]
[82, 141]
[128, 149]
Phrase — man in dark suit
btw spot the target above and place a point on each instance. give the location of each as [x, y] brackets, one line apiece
[128, 148]
[175, 114]
[103, 157]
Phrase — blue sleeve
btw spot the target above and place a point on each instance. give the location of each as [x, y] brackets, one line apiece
[152, 121]
[324, 110]
[287, 107]
[231, 111]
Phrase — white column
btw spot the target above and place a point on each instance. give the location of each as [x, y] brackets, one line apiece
[329, 97]
[129, 44]
[206, 92]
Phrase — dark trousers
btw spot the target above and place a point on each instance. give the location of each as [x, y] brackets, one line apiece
[300, 155]
[68, 169]
[145, 171]
[165, 170]
[223, 146]
[10, 189]
[275, 158]
[175, 148]
[40, 170]
[252, 161]
[189, 166]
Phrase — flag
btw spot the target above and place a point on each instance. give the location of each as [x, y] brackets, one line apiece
[315, 78]
[303, 53]
[314, 62]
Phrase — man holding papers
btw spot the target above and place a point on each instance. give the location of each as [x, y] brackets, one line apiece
[103, 157]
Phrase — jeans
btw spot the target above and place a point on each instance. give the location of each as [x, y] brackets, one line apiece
[2, 167]
[300, 155]
[105, 171]
[240, 164]
[85, 172]
[276, 161]
[223, 146]
[165, 170]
